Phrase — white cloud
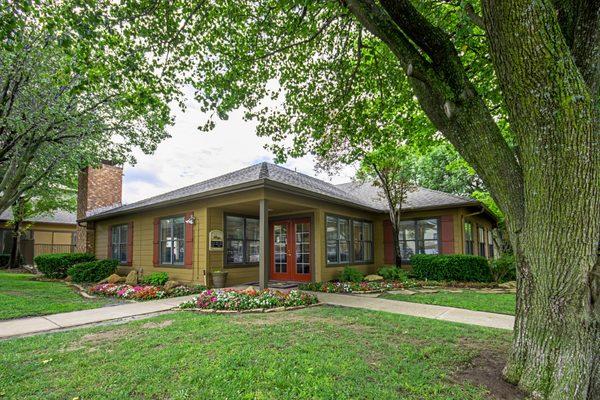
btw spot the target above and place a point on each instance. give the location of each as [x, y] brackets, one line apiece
[191, 156]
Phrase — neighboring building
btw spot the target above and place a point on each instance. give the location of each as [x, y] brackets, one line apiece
[48, 233]
[313, 228]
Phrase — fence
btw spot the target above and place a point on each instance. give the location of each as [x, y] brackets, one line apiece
[52, 248]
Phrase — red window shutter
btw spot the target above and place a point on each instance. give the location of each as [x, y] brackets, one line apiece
[155, 252]
[129, 243]
[388, 243]
[189, 240]
[447, 234]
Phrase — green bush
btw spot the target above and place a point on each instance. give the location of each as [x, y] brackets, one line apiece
[56, 265]
[4, 259]
[350, 274]
[392, 273]
[92, 271]
[504, 269]
[156, 279]
[451, 267]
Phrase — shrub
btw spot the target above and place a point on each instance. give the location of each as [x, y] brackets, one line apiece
[156, 279]
[503, 269]
[393, 273]
[92, 271]
[56, 265]
[350, 274]
[350, 287]
[4, 259]
[453, 267]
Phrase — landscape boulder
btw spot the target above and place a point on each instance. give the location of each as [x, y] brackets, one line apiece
[170, 285]
[373, 278]
[508, 285]
[114, 278]
[132, 278]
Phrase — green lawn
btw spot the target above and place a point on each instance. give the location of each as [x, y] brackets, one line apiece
[20, 296]
[502, 303]
[315, 353]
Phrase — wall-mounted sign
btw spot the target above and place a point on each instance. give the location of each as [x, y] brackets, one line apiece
[215, 240]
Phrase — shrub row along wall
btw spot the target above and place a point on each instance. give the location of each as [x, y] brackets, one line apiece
[454, 267]
[56, 265]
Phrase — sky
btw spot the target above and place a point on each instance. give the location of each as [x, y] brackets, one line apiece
[191, 156]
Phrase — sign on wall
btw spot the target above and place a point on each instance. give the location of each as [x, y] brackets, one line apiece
[215, 240]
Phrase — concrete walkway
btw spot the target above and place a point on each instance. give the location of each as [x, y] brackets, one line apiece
[443, 313]
[31, 325]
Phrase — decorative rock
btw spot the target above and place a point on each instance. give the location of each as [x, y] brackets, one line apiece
[132, 278]
[68, 278]
[171, 284]
[114, 278]
[373, 278]
[293, 308]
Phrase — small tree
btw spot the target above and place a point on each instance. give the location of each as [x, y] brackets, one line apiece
[392, 169]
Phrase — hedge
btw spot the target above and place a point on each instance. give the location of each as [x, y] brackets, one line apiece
[92, 271]
[56, 265]
[452, 267]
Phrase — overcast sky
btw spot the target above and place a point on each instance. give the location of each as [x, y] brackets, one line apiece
[191, 156]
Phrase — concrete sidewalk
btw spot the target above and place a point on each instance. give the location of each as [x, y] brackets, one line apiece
[452, 314]
[26, 326]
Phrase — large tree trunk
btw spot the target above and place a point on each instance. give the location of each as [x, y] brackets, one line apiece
[554, 113]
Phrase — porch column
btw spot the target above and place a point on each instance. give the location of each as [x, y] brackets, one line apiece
[263, 263]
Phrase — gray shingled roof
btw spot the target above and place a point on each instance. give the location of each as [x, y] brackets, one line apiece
[361, 195]
[56, 217]
[253, 174]
[417, 199]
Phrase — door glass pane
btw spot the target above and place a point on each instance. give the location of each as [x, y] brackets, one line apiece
[280, 248]
[302, 248]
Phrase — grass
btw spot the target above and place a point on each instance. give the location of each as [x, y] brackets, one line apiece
[501, 303]
[20, 296]
[315, 353]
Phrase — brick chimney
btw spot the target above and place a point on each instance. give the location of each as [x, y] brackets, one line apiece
[97, 188]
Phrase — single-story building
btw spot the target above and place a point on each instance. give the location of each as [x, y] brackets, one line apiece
[267, 223]
[48, 233]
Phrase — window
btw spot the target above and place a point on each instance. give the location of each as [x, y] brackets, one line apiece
[242, 240]
[362, 236]
[418, 237]
[481, 237]
[118, 248]
[468, 238]
[490, 244]
[338, 240]
[172, 240]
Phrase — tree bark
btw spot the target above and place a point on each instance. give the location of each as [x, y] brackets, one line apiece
[13, 261]
[554, 115]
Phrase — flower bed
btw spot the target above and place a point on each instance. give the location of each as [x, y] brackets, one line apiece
[141, 292]
[351, 287]
[249, 299]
